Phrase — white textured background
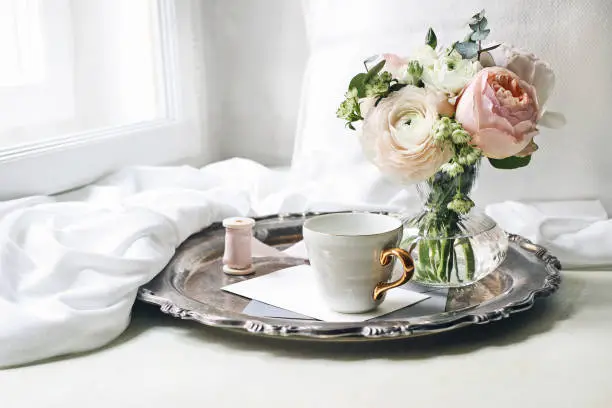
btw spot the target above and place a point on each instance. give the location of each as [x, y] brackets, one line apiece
[259, 49]
[254, 60]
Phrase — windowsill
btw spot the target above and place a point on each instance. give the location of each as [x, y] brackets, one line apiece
[537, 353]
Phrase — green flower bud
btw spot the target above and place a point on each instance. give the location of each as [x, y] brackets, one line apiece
[439, 137]
[344, 110]
[415, 72]
[460, 136]
[460, 204]
[376, 88]
[351, 93]
[452, 169]
[385, 76]
[349, 108]
[378, 85]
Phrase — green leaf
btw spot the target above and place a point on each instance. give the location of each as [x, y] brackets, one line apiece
[480, 35]
[370, 60]
[358, 82]
[482, 25]
[467, 49]
[431, 39]
[490, 48]
[479, 25]
[374, 71]
[510, 163]
[476, 18]
[396, 87]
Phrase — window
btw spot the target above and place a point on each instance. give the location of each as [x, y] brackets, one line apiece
[92, 85]
[35, 81]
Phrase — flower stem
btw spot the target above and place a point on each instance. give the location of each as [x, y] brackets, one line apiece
[451, 258]
[440, 223]
[457, 271]
[470, 263]
[443, 266]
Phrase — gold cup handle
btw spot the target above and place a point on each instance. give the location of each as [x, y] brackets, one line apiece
[385, 258]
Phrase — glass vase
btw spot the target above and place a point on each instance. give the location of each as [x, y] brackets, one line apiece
[452, 248]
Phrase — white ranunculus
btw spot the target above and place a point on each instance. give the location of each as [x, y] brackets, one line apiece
[365, 104]
[397, 134]
[425, 55]
[450, 73]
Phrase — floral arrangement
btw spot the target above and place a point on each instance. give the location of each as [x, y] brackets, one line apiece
[431, 118]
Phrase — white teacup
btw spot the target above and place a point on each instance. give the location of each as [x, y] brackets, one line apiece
[351, 254]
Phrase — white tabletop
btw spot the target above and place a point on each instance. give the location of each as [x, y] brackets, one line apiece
[559, 354]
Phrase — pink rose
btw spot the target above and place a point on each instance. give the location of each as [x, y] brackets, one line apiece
[527, 66]
[500, 111]
[535, 72]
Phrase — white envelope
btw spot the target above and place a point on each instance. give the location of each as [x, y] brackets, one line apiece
[295, 289]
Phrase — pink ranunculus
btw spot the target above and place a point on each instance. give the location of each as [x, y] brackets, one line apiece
[396, 135]
[500, 111]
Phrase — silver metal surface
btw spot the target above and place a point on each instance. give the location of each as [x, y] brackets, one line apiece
[189, 288]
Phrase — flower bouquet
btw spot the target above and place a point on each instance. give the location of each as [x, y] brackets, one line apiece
[431, 118]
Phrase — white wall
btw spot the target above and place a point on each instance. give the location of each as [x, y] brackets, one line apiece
[255, 58]
[259, 49]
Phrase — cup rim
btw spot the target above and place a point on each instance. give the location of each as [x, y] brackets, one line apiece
[311, 220]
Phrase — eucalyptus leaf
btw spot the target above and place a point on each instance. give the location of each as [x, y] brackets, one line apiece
[510, 163]
[479, 25]
[477, 17]
[358, 82]
[480, 35]
[490, 48]
[483, 23]
[374, 71]
[431, 38]
[467, 49]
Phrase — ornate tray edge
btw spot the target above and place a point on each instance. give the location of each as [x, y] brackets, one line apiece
[284, 328]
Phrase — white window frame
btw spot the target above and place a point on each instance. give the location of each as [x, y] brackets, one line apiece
[69, 161]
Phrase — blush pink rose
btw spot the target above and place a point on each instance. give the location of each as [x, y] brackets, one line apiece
[500, 111]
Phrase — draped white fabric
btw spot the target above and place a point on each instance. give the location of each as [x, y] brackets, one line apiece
[70, 265]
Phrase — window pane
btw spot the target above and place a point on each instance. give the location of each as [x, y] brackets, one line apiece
[20, 42]
[99, 60]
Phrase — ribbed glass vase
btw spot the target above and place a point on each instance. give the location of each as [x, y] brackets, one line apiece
[450, 248]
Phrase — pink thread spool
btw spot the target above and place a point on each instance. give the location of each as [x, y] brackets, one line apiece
[237, 258]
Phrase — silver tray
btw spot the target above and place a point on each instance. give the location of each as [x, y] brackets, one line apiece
[189, 288]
